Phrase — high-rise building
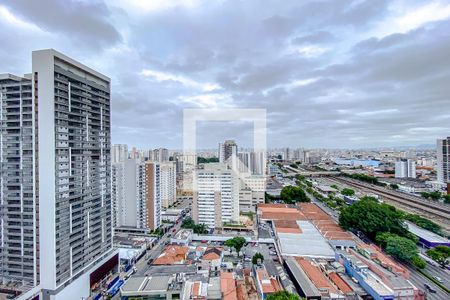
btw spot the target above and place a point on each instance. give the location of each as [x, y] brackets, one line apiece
[253, 163]
[74, 169]
[136, 194]
[216, 195]
[168, 183]
[125, 192]
[160, 155]
[119, 153]
[443, 162]
[405, 168]
[19, 230]
[55, 212]
[227, 151]
[150, 209]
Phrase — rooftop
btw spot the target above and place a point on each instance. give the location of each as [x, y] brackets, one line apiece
[146, 285]
[425, 234]
[308, 243]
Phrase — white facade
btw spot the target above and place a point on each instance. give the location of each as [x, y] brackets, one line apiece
[74, 146]
[216, 195]
[119, 153]
[168, 183]
[405, 168]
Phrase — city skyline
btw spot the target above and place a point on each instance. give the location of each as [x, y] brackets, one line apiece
[364, 74]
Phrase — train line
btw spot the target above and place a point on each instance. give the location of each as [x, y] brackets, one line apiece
[437, 212]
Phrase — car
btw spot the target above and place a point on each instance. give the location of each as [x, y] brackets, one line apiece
[439, 279]
[429, 288]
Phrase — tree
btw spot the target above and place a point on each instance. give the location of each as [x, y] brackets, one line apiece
[436, 195]
[282, 295]
[293, 194]
[237, 243]
[394, 186]
[418, 262]
[401, 248]
[335, 187]
[256, 257]
[440, 254]
[447, 199]
[370, 217]
[424, 223]
[347, 192]
[188, 223]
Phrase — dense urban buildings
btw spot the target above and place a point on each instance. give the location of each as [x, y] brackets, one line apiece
[56, 209]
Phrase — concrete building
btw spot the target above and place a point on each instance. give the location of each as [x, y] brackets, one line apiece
[136, 194]
[168, 183]
[216, 195]
[160, 155]
[405, 168]
[150, 210]
[228, 152]
[119, 153]
[56, 221]
[19, 230]
[443, 162]
[124, 193]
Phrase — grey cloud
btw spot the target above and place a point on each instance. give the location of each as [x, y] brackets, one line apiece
[82, 21]
[318, 37]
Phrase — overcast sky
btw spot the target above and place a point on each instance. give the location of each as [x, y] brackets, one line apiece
[330, 73]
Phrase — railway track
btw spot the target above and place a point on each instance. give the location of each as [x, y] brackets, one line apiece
[439, 213]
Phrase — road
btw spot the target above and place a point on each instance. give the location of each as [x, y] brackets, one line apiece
[419, 280]
[153, 253]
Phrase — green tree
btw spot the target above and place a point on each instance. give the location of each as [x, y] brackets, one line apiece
[347, 192]
[418, 262]
[370, 217]
[394, 186]
[424, 223]
[188, 223]
[440, 254]
[282, 295]
[237, 243]
[447, 199]
[256, 257]
[335, 187]
[436, 195]
[402, 248]
[293, 194]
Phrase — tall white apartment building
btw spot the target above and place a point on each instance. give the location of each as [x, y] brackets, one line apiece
[161, 155]
[216, 195]
[136, 193]
[125, 192]
[55, 180]
[119, 153]
[228, 152]
[405, 168]
[168, 183]
[19, 214]
[443, 161]
[74, 169]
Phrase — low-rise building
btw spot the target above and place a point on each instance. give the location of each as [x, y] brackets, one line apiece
[265, 284]
[172, 254]
[152, 287]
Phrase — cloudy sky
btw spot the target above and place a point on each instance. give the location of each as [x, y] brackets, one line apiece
[330, 73]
